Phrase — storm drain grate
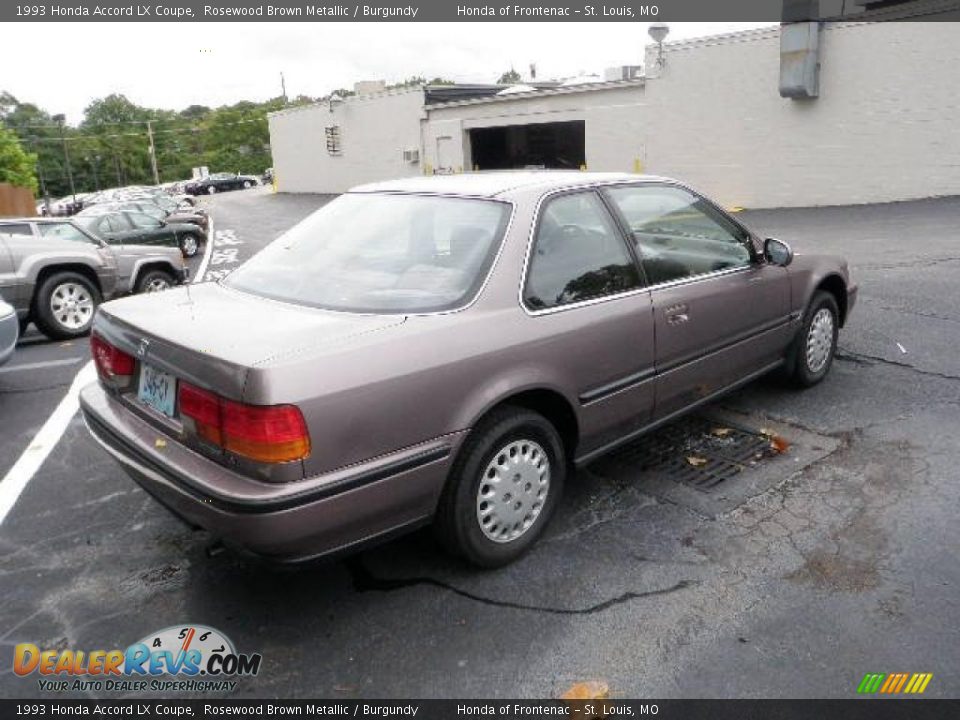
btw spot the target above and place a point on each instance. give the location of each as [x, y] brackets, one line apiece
[695, 451]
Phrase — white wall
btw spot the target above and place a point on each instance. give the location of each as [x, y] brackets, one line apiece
[375, 129]
[613, 115]
[885, 127]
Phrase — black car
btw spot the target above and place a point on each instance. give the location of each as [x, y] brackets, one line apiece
[159, 208]
[220, 182]
[125, 226]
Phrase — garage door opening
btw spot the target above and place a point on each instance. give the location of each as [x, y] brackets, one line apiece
[544, 145]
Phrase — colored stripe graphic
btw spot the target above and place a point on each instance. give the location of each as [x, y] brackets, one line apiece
[894, 683]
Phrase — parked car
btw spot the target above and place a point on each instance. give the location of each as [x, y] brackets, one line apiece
[220, 182]
[443, 349]
[126, 226]
[55, 273]
[158, 208]
[9, 330]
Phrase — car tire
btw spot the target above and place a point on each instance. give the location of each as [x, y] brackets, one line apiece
[64, 305]
[212, 190]
[247, 185]
[816, 344]
[189, 245]
[503, 487]
[154, 281]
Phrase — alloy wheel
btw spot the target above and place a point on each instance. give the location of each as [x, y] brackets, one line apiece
[71, 305]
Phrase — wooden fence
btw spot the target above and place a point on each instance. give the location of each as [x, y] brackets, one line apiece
[16, 201]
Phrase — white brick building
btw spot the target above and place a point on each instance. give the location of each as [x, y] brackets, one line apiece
[885, 126]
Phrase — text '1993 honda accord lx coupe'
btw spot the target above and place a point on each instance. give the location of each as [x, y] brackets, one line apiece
[444, 349]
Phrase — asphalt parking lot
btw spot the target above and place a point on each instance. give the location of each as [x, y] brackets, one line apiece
[834, 559]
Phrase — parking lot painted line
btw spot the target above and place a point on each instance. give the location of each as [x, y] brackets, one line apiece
[37, 451]
[40, 365]
[207, 252]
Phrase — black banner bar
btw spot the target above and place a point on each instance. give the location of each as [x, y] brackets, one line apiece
[474, 10]
[854, 709]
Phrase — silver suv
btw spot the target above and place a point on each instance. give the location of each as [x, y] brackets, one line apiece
[54, 273]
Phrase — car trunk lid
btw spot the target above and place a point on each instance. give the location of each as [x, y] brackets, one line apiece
[211, 336]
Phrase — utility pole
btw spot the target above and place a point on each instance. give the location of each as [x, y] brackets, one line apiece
[66, 155]
[96, 175]
[283, 88]
[153, 153]
[43, 183]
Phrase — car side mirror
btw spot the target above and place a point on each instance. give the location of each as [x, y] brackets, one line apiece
[777, 252]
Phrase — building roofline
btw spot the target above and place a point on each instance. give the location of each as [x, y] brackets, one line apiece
[349, 99]
[544, 92]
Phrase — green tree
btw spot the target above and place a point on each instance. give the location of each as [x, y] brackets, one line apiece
[16, 165]
[511, 77]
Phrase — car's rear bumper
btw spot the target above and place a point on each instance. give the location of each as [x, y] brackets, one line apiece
[279, 521]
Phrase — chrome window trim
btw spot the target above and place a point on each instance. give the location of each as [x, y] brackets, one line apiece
[596, 187]
[535, 223]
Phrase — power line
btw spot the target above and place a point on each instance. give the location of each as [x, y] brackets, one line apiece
[95, 136]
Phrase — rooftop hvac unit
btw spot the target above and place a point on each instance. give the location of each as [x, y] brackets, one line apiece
[623, 72]
[411, 155]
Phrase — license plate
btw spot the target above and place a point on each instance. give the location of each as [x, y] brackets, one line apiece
[158, 390]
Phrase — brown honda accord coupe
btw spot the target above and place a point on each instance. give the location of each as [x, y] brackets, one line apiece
[445, 350]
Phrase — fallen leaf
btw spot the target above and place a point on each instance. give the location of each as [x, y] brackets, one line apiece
[779, 444]
[160, 443]
[721, 432]
[589, 690]
[696, 461]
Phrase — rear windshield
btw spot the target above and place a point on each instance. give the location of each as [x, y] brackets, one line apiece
[381, 253]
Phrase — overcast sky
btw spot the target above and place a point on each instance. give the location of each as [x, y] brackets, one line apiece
[62, 66]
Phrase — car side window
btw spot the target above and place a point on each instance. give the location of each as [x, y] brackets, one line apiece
[139, 220]
[64, 231]
[17, 229]
[577, 254]
[678, 234]
[113, 223]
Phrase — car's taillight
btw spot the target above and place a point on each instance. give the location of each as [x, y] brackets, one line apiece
[270, 434]
[112, 363]
[203, 408]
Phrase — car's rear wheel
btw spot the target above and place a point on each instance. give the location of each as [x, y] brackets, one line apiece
[816, 344]
[64, 305]
[503, 488]
[154, 281]
[247, 184]
[189, 244]
[212, 189]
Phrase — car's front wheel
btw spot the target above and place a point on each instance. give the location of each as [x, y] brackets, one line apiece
[816, 344]
[64, 305]
[247, 185]
[189, 245]
[154, 281]
[503, 488]
[212, 189]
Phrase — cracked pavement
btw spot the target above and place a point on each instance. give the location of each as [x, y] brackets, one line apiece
[834, 568]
